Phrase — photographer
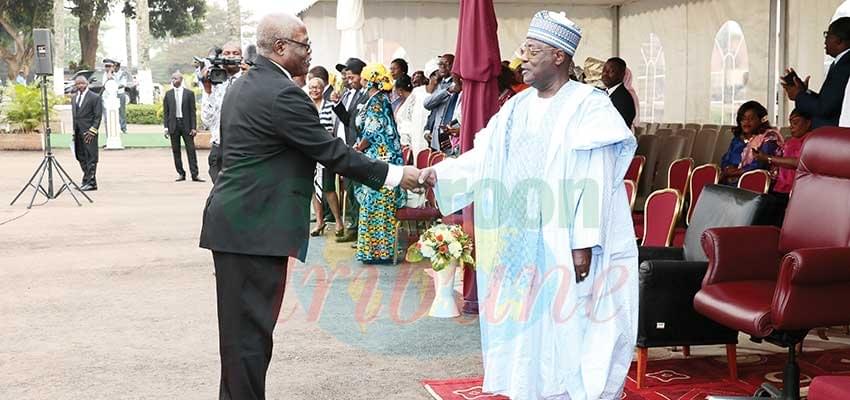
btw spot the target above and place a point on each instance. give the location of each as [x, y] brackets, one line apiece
[211, 102]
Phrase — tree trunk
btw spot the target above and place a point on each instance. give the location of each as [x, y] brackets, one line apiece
[88, 43]
[128, 42]
[24, 51]
[58, 47]
[234, 17]
[145, 79]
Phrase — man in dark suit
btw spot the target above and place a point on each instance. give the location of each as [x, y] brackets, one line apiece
[86, 110]
[257, 214]
[346, 111]
[178, 114]
[612, 76]
[825, 107]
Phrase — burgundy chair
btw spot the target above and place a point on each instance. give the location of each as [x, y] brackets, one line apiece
[422, 158]
[406, 155]
[427, 214]
[631, 192]
[757, 180]
[659, 217]
[830, 388]
[436, 157]
[702, 176]
[635, 168]
[776, 285]
[678, 174]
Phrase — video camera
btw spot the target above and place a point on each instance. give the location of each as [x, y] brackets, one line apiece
[215, 66]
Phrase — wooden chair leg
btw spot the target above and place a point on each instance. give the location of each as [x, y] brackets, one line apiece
[642, 356]
[732, 360]
[686, 351]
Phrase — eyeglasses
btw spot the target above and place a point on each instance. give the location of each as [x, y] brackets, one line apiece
[530, 52]
[306, 46]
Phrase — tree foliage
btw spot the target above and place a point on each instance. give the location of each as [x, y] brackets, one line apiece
[176, 54]
[17, 20]
[91, 13]
[175, 18]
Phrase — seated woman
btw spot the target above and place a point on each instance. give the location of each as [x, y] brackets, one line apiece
[786, 161]
[753, 135]
[376, 242]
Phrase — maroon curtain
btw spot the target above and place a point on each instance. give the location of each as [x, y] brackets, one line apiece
[478, 62]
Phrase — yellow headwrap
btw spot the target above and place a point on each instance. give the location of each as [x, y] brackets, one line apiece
[377, 76]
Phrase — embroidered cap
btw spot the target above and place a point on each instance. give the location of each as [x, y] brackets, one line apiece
[556, 30]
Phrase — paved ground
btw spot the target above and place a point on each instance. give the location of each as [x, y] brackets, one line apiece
[114, 300]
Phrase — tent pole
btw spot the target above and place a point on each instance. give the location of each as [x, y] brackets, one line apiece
[615, 29]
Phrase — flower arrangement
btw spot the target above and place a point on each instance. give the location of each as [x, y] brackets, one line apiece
[442, 244]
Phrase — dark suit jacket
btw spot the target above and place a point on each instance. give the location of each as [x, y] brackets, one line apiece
[260, 204]
[348, 116]
[169, 110]
[825, 107]
[88, 115]
[624, 103]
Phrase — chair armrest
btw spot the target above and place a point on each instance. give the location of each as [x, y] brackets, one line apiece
[660, 253]
[811, 284]
[741, 253]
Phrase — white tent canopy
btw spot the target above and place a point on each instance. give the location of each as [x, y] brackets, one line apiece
[694, 61]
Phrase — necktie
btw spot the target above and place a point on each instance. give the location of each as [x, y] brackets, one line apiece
[80, 100]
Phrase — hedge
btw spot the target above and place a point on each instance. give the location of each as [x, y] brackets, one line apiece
[145, 114]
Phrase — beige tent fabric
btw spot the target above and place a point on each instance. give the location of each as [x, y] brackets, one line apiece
[686, 29]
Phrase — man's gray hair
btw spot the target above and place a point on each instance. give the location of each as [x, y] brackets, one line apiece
[81, 78]
[233, 44]
[273, 27]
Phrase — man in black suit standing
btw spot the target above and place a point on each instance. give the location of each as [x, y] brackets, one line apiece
[612, 76]
[178, 114]
[346, 111]
[257, 214]
[824, 107]
[86, 110]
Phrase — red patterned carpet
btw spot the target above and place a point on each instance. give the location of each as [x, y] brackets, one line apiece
[686, 379]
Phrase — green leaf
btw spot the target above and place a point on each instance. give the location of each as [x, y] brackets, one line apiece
[467, 259]
[439, 263]
[413, 254]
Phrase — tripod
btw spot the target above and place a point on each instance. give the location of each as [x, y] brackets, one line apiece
[48, 164]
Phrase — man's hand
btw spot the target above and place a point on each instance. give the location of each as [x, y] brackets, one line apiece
[581, 262]
[193, 132]
[166, 133]
[410, 179]
[90, 135]
[334, 97]
[428, 177]
[798, 87]
[428, 136]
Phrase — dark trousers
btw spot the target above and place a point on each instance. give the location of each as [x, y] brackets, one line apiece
[249, 290]
[87, 155]
[122, 112]
[180, 131]
[214, 160]
[352, 210]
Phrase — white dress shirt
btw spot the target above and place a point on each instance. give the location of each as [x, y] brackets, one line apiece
[612, 89]
[178, 101]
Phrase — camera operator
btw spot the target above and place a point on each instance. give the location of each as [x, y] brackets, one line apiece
[211, 102]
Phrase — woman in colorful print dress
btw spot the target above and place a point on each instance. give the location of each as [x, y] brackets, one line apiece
[379, 139]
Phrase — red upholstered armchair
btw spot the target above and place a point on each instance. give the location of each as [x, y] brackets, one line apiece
[776, 285]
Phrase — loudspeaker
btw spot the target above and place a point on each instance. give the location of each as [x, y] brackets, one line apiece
[43, 51]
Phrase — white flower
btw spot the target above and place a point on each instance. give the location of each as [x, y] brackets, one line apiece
[455, 249]
[427, 251]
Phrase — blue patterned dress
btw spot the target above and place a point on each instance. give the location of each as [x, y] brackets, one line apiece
[376, 232]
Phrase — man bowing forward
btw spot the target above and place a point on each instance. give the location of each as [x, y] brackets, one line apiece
[257, 214]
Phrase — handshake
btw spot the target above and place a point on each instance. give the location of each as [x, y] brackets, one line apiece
[417, 180]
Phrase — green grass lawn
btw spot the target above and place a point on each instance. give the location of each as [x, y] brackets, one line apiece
[129, 140]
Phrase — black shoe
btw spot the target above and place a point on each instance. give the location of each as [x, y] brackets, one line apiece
[180, 178]
[197, 179]
[87, 188]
